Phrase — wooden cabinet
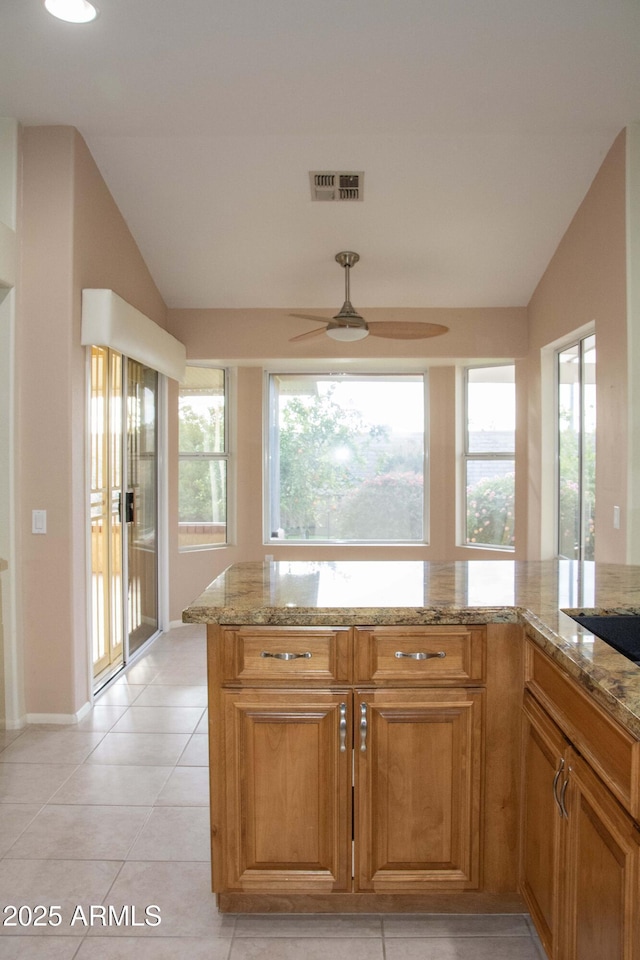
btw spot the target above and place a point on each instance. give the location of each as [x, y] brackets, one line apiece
[580, 847]
[418, 789]
[544, 760]
[611, 750]
[602, 863]
[288, 791]
[322, 785]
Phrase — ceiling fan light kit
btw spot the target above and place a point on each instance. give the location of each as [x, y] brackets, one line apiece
[72, 11]
[346, 332]
[348, 325]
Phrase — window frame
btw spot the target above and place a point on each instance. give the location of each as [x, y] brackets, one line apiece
[578, 340]
[469, 455]
[269, 408]
[209, 456]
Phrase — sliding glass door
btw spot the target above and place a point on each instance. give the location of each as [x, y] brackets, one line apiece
[124, 509]
[105, 427]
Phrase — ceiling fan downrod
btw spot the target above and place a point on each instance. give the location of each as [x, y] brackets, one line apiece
[347, 259]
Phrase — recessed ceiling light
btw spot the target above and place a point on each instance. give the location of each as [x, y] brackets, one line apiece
[73, 11]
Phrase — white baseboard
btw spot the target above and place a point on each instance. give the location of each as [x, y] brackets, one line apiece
[13, 724]
[60, 718]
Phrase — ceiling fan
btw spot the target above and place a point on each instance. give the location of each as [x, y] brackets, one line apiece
[348, 324]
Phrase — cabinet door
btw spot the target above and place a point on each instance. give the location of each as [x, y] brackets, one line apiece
[544, 751]
[418, 789]
[603, 884]
[288, 791]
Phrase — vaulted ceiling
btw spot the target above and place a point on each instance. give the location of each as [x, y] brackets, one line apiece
[479, 125]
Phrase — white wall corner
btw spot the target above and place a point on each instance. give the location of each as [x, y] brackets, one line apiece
[9, 135]
[11, 655]
[8, 257]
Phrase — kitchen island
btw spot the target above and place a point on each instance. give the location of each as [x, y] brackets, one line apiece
[367, 744]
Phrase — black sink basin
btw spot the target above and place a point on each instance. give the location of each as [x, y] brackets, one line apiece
[620, 632]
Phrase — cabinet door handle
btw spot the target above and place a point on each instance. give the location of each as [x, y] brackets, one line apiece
[287, 656]
[563, 791]
[363, 728]
[555, 784]
[343, 728]
[420, 656]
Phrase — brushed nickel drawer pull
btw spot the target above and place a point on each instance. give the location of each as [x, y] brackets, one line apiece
[287, 656]
[363, 728]
[420, 656]
[343, 728]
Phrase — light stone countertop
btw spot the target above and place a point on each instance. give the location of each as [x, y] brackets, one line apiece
[536, 594]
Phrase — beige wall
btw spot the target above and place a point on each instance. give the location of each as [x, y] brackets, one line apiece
[252, 335]
[633, 342]
[73, 236]
[585, 283]
[9, 661]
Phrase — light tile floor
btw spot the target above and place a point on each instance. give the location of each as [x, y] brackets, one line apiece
[113, 813]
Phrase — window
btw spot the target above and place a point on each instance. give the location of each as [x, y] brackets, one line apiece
[202, 458]
[346, 458]
[489, 456]
[576, 420]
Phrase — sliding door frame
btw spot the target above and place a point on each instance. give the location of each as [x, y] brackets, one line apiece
[162, 572]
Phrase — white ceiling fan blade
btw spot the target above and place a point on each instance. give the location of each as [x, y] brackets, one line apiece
[309, 334]
[405, 329]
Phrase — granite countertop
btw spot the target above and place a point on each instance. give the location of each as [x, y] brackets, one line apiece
[540, 595]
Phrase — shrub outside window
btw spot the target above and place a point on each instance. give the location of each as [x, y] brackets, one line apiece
[202, 458]
[489, 457]
[346, 458]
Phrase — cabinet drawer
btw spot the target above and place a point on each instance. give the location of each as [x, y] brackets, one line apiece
[429, 654]
[611, 751]
[289, 654]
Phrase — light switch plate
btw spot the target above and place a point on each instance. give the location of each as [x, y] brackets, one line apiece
[38, 521]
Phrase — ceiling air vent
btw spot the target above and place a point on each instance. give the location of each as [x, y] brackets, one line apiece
[332, 185]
